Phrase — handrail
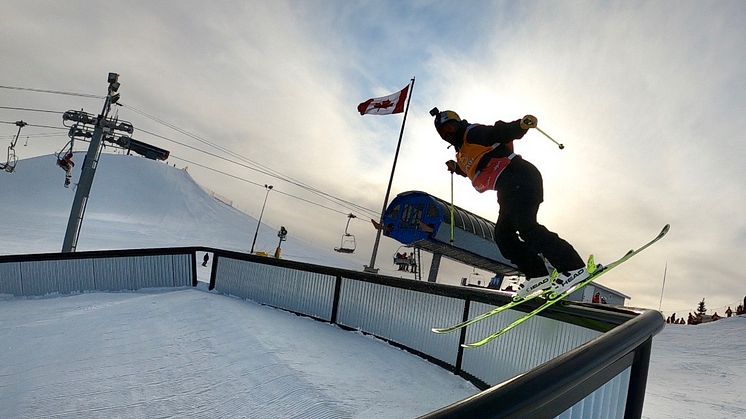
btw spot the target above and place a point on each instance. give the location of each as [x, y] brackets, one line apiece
[551, 388]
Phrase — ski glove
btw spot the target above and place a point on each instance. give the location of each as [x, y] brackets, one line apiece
[453, 168]
[528, 121]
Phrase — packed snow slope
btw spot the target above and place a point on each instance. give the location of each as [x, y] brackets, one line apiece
[698, 371]
[187, 352]
[191, 353]
[134, 203]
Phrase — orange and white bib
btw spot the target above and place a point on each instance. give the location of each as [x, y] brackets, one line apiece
[469, 156]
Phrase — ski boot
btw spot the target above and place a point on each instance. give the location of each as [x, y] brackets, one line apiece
[533, 285]
[569, 279]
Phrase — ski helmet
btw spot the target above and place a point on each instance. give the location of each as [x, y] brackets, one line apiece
[443, 117]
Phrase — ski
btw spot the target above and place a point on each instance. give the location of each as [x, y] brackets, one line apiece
[554, 299]
[487, 314]
[513, 303]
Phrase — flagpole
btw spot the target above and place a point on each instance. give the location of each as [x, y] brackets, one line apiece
[371, 266]
[665, 269]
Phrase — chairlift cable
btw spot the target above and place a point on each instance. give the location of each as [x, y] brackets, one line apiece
[329, 197]
[56, 92]
[33, 125]
[264, 169]
[257, 184]
[14, 108]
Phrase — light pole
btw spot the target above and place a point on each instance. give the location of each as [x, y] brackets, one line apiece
[256, 233]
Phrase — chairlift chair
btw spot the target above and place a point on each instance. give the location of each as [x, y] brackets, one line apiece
[402, 259]
[398, 259]
[10, 164]
[67, 148]
[347, 244]
[62, 157]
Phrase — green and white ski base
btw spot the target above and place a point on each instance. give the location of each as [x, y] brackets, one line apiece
[513, 303]
[554, 299]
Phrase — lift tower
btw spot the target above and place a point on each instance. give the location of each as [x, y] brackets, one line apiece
[103, 126]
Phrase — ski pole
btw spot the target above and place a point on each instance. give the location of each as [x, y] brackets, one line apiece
[451, 207]
[561, 146]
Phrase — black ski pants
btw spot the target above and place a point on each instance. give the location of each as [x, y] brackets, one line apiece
[518, 235]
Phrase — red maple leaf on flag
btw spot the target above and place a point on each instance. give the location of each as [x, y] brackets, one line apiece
[393, 103]
[383, 105]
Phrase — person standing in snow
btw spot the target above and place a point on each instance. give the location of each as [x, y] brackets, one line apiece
[205, 259]
[484, 154]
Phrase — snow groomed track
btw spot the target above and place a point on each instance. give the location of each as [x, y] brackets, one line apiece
[186, 352]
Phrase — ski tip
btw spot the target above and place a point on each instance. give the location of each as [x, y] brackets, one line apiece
[666, 228]
[436, 330]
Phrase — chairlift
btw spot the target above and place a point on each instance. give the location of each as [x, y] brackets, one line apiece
[402, 260]
[67, 148]
[65, 160]
[10, 164]
[347, 243]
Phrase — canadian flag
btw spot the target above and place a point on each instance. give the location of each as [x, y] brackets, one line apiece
[387, 105]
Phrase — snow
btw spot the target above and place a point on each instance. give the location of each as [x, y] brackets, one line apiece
[190, 352]
[698, 371]
[187, 352]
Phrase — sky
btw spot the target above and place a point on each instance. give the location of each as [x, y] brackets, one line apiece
[648, 98]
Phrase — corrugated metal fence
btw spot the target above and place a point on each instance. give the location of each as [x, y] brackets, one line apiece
[33, 275]
[402, 312]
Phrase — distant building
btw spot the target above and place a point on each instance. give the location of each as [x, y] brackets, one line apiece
[611, 296]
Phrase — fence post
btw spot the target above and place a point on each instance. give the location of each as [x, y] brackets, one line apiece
[638, 378]
[462, 336]
[335, 300]
[194, 268]
[214, 272]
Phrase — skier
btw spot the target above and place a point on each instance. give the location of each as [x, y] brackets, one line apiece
[205, 259]
[484, 154]
[67, 164]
